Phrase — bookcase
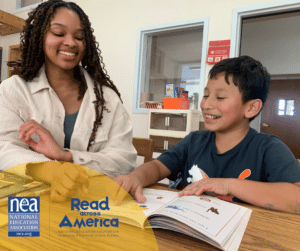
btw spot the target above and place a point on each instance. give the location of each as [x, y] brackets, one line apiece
[167, 127]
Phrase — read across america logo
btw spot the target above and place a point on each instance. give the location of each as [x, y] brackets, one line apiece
[23, 216]
[90, 222]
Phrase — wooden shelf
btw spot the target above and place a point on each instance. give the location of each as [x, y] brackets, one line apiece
[10, 24]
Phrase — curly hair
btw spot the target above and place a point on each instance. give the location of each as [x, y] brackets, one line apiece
[33, 58]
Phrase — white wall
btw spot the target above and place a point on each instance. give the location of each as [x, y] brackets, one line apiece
[116, 24]
[1, 8]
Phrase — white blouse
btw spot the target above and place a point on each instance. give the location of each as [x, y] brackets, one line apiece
[112, 152]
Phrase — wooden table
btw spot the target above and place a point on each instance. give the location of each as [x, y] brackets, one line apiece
[267, 230]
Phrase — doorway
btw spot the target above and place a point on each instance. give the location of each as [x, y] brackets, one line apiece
[14, 54]
[281, 113]
[267, 32]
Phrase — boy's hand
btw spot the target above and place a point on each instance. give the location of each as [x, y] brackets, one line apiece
[66, 181]
[131, 184]
[216, 185]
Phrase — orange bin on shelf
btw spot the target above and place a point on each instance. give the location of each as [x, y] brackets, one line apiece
[176, 103]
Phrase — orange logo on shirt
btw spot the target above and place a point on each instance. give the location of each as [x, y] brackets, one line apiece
[245, 174]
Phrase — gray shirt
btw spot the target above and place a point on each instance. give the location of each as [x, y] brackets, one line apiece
[69, 127]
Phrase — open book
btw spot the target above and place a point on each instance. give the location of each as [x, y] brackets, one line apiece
[220, 223]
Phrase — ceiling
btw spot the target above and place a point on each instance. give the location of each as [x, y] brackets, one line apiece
[10, 24]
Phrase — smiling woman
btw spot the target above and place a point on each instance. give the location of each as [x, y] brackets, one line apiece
[61, 104]
[63, 43]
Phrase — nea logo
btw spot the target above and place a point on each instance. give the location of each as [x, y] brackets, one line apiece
[23, 204]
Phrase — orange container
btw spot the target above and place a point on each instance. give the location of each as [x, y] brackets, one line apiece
[176, 103]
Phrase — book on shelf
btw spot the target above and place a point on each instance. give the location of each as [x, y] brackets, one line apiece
[217, 222]
[170, 90]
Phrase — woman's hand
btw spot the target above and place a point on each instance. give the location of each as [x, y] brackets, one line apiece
[66, 181]
[217, 185]
[47, 144]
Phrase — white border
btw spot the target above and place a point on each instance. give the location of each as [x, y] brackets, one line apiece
[141, 53]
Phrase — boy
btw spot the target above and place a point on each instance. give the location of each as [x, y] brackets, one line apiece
[230, 158]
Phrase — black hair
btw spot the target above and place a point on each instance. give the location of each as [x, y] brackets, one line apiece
[248, 74]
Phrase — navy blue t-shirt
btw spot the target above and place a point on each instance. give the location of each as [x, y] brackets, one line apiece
[258, 157]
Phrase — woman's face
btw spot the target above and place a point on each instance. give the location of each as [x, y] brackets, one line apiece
[64, 42]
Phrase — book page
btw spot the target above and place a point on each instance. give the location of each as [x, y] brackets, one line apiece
[156, 199]
[206, 214]
[236, 237]
[135, 213]
[127, 212]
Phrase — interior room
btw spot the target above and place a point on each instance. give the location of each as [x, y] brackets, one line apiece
[219, 189]
[270, 36]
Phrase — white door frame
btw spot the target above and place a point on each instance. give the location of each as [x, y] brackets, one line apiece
[251, 11]
[255, 10]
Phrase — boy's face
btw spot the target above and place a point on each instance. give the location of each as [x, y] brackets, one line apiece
[222, 106]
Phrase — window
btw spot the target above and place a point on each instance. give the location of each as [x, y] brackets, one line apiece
[23, 5]
[285, 107]
[170, 53]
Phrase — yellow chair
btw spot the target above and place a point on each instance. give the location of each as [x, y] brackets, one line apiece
[144, 148]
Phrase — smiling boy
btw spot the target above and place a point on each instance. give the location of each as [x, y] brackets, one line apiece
[230, 159]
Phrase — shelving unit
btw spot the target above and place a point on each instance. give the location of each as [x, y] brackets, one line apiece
[10, 24]
[167, 127]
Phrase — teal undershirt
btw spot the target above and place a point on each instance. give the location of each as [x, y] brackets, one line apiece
[69, 123]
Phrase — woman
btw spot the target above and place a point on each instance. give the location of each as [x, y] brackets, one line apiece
[62, 105]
